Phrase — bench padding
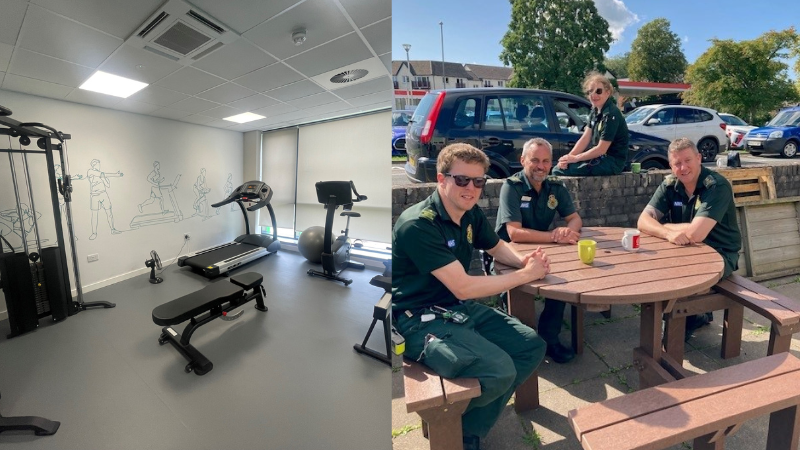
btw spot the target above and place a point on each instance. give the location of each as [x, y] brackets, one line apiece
[191, 305]
[247, 280]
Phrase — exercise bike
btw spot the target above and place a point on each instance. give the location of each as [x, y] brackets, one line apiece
[336, 254]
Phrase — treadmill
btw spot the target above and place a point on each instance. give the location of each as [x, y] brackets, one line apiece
[222, 259]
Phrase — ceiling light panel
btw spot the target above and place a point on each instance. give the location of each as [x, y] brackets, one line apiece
[244, 117]
[109, 84]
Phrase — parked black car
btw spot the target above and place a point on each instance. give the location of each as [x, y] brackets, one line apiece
[499, 121]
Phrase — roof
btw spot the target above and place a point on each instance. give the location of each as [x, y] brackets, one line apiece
[473, 72]
[489, 72]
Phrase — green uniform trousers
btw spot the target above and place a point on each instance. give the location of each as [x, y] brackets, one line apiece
[491, 346]
[604, 165]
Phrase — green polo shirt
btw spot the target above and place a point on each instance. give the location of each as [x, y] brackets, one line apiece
[519, 202]
[713, 198]
[609, 125]
[425, 239]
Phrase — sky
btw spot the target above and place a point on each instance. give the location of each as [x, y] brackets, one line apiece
[473, 29]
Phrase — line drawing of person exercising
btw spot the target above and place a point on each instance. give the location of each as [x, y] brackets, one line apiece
[98, 182]
[200, 190]
[155, 179]
[228, 188]
[11, 223]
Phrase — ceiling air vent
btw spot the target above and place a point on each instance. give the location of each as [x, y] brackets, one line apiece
[348, 76]
[182, 33]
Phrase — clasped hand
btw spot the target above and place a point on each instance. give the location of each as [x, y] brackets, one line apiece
[537, 262]
[564, 235]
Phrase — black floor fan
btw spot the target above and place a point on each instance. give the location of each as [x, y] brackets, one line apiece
[154, 263]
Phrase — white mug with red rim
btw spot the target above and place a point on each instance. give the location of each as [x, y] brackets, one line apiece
[630, 240]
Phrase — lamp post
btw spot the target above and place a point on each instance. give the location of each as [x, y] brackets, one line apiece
[441, 33]
[407, 47]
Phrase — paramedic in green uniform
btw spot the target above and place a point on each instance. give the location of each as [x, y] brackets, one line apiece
[529, 201]
[603, 147]
[692, 205]
[432, 245]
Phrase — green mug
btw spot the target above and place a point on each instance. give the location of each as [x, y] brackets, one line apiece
[636, 167]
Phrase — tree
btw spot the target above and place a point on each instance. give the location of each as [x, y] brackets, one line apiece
[618, 65]
[553, 44]
[656, 54]
[746, 78]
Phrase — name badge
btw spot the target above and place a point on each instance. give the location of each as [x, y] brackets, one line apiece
[677, 203]
[451, 243]
[525, 205]
[526, 198]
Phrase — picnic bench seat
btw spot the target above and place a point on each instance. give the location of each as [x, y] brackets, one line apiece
[440, 402]
[705, 408]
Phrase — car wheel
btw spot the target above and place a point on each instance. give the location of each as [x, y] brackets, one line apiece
[653, 164]
[708, 148]
[755, 153]
[789, 149]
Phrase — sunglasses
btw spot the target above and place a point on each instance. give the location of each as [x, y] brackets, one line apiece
[597, 91]
[463, 180]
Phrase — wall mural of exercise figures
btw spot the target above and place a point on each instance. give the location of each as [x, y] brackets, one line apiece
[11, 226]
[227, 189]
[152, 216]
[61, 202]
[99, 199]
[201, 201]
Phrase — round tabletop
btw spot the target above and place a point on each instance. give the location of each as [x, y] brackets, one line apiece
[659, 271]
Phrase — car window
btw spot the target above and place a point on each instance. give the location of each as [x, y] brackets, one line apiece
[572, 116]
[423, 108]
[704, 116]
[732, 120]
[493, 119]
[465, 116]
[785, 119]
[665, 116]
[686, 115]
[638, 115]
[400, 118]
[516, 113]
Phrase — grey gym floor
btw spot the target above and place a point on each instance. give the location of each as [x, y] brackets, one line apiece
[285, 379]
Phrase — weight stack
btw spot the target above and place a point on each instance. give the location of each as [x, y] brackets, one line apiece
[15, 271]
[58, 289]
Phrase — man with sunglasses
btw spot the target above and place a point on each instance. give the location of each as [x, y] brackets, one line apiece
[603, 147]
[432, 246]
[529, 201]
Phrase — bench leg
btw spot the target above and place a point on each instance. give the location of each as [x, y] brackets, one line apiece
[674, 335]
[777, 343]
[576, 316]
[705, 442]
[732, 331]
[526, 396]
[784, 429]
[444, 426]
[522, 306]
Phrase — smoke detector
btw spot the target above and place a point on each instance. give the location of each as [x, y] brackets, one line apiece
[349, 76]
[299, 36]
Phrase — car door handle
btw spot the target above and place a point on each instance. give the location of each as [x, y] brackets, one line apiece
[492, 140]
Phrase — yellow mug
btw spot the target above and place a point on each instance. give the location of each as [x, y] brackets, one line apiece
[586, 249]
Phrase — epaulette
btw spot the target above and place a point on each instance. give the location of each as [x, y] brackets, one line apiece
[555, 180]
[516, 179]
[670, 180]
[428, 213]
[709, 181]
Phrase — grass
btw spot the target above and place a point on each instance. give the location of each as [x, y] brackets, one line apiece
[531, 438]
[405, 430]
[760, 330]
[399, 158]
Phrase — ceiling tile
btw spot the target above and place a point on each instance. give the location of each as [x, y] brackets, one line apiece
[31, 86]
[117, 17]
[126, 62]
[245, 127]
[367, 87]
[253, 102]
[226, 93]
[234, 60]
[330, 56]
[222, 112]
[384, 96]
[379, 36]
[314, 100]
[295, 90]
[135, 107]
[365, 12]
[242, 15]
[322, 20]
[269, 77]
[194, 105]
[157, 95]
[41, 67]
[198, 119]
[219, 123]
[53, 35]
[5, 56]
[275, 110]
[326, 109]
[169, 113]
[11, 19]
[189, 81]
[93, 98]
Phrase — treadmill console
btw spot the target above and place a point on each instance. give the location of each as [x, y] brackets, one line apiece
[253, 191]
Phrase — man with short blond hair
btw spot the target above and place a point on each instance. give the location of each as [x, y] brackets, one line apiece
[432, 245]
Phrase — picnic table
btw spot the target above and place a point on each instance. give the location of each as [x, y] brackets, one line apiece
[655, 277]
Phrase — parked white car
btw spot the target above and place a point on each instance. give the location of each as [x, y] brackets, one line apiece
[702, 125]
[736, 130]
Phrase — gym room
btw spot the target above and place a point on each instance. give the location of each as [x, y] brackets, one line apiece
[133, 220]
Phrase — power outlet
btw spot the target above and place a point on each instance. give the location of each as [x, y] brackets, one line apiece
[93, 257]
[187, 236]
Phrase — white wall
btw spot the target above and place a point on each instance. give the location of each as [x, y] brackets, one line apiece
[130, 143]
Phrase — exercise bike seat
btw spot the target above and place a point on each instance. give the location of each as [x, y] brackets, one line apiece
[382, 282]
[184, 308]
[247, 280]
[350, 214]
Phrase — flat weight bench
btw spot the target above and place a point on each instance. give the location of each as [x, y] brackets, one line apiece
[440, 402]
[706, 408]
[203, 306]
